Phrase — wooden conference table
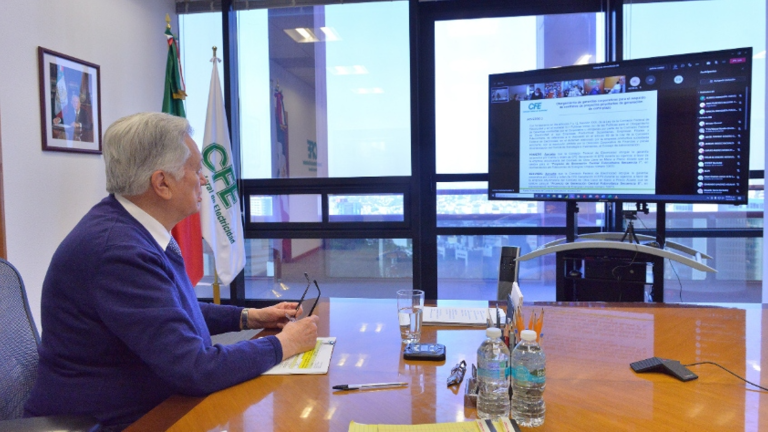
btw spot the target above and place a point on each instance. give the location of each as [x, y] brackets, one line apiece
[590, 386]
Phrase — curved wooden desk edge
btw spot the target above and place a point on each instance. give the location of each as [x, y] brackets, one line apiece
[620, 246]
[165, 415]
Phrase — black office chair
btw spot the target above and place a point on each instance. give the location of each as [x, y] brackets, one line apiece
[508, 270]
[19, 340]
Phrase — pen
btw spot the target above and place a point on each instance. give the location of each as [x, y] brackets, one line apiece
[369, 386]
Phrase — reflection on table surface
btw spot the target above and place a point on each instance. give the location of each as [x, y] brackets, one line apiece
[590, 385]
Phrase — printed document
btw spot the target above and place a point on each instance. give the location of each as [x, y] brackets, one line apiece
[314, 362]
[456, 316]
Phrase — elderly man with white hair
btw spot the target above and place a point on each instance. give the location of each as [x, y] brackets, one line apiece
[122, 327]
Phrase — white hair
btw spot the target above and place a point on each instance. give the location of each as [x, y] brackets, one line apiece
[137, 145]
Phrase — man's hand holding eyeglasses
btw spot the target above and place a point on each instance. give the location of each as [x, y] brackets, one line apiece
[276, 316]
[298, 336]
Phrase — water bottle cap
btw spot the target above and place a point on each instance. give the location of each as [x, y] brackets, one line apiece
[493, 332]
[528, 335]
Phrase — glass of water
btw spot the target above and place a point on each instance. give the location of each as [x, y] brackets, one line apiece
[410, 306]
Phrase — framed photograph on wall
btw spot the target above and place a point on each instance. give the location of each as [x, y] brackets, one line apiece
[70, 103]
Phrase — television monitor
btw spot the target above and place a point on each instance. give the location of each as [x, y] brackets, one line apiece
[662, 129]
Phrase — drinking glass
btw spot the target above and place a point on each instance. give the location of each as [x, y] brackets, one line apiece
[410, 307]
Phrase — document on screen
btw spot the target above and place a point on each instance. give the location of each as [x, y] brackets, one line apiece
[589, 144]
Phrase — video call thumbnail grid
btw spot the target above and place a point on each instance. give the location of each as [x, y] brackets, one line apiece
[559, 89]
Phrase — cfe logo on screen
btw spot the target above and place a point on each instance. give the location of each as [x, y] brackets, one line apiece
[535, 107]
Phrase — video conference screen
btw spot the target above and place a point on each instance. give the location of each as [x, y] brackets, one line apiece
[662, 129]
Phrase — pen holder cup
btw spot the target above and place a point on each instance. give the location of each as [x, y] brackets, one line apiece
[470, 393]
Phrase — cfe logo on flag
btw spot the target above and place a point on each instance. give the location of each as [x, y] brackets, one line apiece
[221, 167]
[226, 188]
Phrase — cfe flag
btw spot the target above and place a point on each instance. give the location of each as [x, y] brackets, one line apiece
[187, 232]
[220, 214]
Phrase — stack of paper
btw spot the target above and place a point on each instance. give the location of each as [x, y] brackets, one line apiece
[455, 316]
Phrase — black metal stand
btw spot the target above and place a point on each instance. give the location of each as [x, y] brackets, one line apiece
[609, 275]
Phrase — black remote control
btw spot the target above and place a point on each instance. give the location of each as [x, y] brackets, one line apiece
[669, 367]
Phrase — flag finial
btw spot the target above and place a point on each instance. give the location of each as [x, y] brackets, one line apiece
[214, 52]
[167, 21]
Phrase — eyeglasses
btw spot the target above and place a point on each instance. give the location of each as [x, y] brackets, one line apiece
[305, 294]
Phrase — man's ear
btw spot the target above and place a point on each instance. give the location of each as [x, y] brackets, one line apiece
[159, 184]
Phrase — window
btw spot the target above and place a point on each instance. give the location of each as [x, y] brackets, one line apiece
[466, 52]
[731, 234]
[344, 267]
[675, 27]
[198, 33]
[325, 90]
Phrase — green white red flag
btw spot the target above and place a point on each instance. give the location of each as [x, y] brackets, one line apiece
[187, 232]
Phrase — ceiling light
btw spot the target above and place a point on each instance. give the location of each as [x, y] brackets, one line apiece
[330, 34]
[302, 35]
[760, 55]
[307, 35]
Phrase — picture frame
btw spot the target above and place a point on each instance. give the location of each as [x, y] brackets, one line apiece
[70, 103]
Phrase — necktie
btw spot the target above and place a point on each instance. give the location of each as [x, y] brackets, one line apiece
[174, 247]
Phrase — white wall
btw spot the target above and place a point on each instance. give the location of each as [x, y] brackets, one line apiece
[46, 193]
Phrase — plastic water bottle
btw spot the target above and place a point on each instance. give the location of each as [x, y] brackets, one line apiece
[493, 377]
[528, 380]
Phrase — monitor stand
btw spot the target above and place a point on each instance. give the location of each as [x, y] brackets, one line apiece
[577, 280]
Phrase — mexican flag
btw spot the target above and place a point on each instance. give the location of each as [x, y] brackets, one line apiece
[187, 232]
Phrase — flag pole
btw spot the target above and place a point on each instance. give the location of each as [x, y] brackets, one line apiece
[216, 287]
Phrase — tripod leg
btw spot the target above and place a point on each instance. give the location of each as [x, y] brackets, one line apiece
[632, 231]
[624, 236]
